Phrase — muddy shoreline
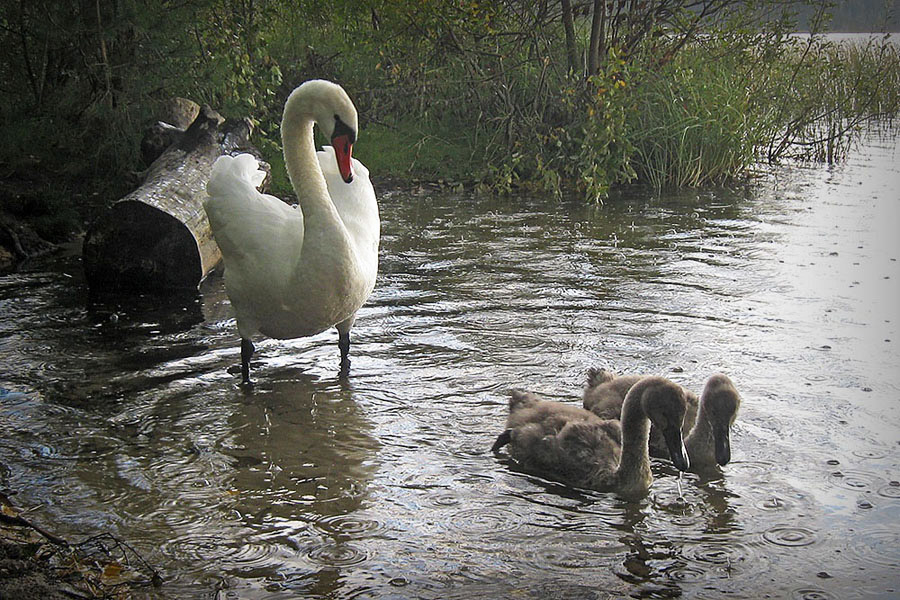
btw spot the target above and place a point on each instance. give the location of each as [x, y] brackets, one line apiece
[39, 564]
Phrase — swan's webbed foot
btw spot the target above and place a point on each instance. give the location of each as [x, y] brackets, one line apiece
[344, 345]
[246, 352]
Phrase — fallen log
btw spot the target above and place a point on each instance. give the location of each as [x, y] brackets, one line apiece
[157, 238]
[175, 116]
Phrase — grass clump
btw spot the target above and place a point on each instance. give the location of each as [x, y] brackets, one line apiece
[691, 124]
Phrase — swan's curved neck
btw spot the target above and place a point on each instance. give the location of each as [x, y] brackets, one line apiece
[701, 437]
[300, 158]
[634, 465]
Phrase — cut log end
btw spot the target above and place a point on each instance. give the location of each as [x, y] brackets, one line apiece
[137, 247]
[157, 238]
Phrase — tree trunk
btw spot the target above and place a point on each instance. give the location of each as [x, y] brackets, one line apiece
[595, 47]
[569, 27]
[157, 238]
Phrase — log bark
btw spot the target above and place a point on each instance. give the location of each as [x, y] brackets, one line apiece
[157, 238]
[174, 116]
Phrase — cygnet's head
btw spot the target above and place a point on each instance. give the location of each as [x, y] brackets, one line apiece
[520, 399]
[598, 376]
[720, 401]
[665, 404]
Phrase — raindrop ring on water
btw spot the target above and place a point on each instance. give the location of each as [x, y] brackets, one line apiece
[485, 520]
[857, 481]
[869, 454]
[717, 554]
[335, 554]
[876, 547]
[774, 503]
[788, 535]
[563, 554]
[811, 594]
[891, 490]
[347, 525]
[445, 499]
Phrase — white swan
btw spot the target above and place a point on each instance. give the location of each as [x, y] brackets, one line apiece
[297, 271]
[707, 422]
[573, 445]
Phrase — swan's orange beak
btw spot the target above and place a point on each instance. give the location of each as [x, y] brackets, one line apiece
[343, 148]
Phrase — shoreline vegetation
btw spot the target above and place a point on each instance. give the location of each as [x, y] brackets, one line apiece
[554, 97]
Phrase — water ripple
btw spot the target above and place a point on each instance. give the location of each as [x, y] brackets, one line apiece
[687, 512]
[206, 547]
[180, 514]
[789, 535]
[876, 546]
[226, 551]
[445, 499]
[485, 519]
[870, 454]
[685, 573]
[774, 503]
[347, 525]
[810, 593]
[891, 490]
[858, 481]
[718, 553]
[563, 553]
[252, 555]
[337, 554]
[751, 469]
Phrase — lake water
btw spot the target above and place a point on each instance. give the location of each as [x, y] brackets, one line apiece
[124, 417]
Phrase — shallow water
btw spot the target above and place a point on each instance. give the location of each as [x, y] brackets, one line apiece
[124, 417]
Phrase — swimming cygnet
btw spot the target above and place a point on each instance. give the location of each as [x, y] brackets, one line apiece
[707, 422]
[574, 446]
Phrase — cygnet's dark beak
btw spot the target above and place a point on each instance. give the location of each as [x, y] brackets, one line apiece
[675, 446]
[723, 446]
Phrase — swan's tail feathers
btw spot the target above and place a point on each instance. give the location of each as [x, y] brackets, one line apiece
[229, 172]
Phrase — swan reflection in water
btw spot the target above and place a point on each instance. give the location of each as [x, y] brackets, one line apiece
[659, 556]
[305, 445]
[301, 455]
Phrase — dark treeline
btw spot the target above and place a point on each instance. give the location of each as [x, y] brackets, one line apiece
[554, 95]
[857, 16]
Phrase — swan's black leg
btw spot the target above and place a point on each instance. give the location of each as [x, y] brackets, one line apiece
[246, 352]
[344, 345]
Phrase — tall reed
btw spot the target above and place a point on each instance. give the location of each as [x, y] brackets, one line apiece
[691, 125]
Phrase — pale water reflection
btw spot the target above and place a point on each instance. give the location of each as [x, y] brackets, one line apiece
[383, 486]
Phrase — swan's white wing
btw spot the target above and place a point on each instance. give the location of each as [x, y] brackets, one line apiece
[260, 236]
